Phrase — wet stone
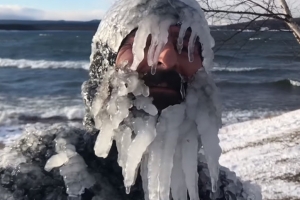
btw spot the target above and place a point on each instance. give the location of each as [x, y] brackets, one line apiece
[5, 179]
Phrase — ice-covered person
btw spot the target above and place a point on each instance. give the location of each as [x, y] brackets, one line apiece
[151, 92]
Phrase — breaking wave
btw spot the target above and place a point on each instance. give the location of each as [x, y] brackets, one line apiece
[43, 34]
[251, 39]
[254, 69]
[282, 83]
[56, 115]
[233, 69]
[43, 64]
[295, 83]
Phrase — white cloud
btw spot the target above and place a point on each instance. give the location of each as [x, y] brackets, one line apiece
[18, 12]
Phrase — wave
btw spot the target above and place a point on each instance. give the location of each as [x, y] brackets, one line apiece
[14, 116]
[252, 39]
[233, 69]
[43, 35]
[43, 64]
[295, 83]
[253, 69]
[282, 83]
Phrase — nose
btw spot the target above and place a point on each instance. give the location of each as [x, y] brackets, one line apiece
[167, 59]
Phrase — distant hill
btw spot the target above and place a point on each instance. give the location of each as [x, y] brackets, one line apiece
[271, 24]
[48, 25]
[93, 25]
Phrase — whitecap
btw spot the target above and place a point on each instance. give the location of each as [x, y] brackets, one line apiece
[43, 64]
[295, 83]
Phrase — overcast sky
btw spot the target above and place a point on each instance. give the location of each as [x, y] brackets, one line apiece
[82, 10]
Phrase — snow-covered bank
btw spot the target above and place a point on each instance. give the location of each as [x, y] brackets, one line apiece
[266, 151]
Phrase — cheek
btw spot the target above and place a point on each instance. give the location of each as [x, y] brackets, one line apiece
[188, 69]
[123, 55]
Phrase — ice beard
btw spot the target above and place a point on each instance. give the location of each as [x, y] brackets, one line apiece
[163, 145]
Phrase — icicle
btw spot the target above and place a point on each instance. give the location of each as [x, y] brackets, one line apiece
[163, 38]
[158, 51]
[182, 89]
[145, 104]
[179, 45]
[145, 28]
[170, 142]
[191, 47]
[144, 128]
[139, 45]
[181, 35]
[101, 96]
[189, 162]
[126, 141]
[146, 91]
[208, 129]
[104, 140]
[127, 189]
[191, 101]
[151, 50]
[110, 117]
[212, 152]
[178, 186]
[123, 140]
[153, 69]
[144, 175]
[154, 163]
[208, 121]
[170, 120]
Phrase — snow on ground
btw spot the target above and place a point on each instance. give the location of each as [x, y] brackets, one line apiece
[266, 151]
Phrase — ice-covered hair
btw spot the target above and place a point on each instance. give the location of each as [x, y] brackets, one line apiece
[149, 17]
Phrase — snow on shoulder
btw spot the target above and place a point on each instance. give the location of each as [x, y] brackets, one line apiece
[266, 151]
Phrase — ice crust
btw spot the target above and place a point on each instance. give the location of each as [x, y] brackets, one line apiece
[148, 138]
[72, 168]
[109, 111]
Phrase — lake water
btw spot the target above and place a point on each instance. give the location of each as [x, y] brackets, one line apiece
[41, 75]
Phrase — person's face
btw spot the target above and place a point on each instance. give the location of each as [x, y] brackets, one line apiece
[165, 84]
